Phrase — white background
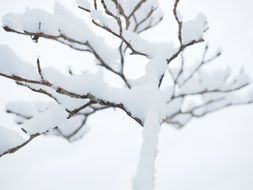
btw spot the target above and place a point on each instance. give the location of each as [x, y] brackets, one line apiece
[212, 153]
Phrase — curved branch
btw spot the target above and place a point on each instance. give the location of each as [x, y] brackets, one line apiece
[14, 149]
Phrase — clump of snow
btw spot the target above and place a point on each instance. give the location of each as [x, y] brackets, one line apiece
[158, 53]
[129, 6]
[103, 20]
[33, 20]
[110, 5]
[46, 121]
[173, 106]
[71, 125]
[181, 119]
[164, 50]
[11, 64]
[194, 30]
[141, 97]
[82, 132]
[25, 108]
[148, 5]
[9, 139]
[84, 4]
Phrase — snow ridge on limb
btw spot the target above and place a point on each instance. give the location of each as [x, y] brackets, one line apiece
[144, 178]
[8, 140]
[187, 92]
[45, 121]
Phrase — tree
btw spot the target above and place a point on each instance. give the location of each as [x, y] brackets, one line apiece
[164, 94]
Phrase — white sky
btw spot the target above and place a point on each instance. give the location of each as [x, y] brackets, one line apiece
[213, 153]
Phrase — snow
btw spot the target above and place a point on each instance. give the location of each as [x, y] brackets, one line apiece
[181, 119]
[194, 30]
[165, 50]
[104, 20]
[82, 132]
[173, 106]
[71, 125]
[11, 64]
[158, 53]
[25, 108]
[9, 139]
[140, 98]
[145, 176]
[84, 4]
[111, 7]
[46, 121]
[147, 6]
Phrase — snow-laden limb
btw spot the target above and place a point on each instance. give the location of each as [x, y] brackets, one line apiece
[64, 27]
[11, 141]
[81, 86]
[137, 16]
[71, 129]
[8, 140]
[205, 82]
[189, 31]
[194, 30]
[15, 65]
[196, 92]
[89, 87]
[25, 109]
[144, 178]
[46, 121]
[84, 4]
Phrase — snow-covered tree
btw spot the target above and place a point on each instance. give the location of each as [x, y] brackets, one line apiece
[170, 91]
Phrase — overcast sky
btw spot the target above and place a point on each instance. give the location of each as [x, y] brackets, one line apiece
[212, 153]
